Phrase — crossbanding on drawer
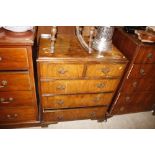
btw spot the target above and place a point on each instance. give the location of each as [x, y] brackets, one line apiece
[78, 86]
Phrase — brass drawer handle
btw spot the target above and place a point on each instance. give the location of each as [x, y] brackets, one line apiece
[60, 102]
[142, 72]
[105, 70]
[150, 56]
[6, 101]
[60, 117]
[127, 99]
[62, 71]
[3, 83]
[61, 87]
[96, 99]
[14, 116]
[1, 59]
[100, 85]
[134, 84]
[93, 114]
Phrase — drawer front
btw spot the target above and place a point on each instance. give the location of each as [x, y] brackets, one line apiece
[137, 85]
[146, 54]
[137, 102]
[16, 98]
[142, 71]
[13, 59]
[14, 81]
[15, 115]
[48, 70]
[105, 70]
[78, 86]
[71, 101]
[74, 114]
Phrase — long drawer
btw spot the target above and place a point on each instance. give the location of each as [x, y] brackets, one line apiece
[105, 70]
[78, 86]
[142, 71]
[14, 115]
[74, 114]
[136, 102]
[16, 98]
[13, 59]
[11, 81]
[71, 101]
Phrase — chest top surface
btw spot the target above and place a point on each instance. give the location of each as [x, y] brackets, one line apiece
[68, 48]
[16, 38]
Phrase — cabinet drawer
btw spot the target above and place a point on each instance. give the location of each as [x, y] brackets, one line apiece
[16, 98]
[14, 81]
[74, 114]
[137, 85]
[13, 115]
[48, 70]
[78, 86]
[105, 70]
[146, 54]
[13, 59]
[142, 71]
[70, 101]
[137, 102]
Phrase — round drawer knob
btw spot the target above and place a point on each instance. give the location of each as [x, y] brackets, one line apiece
[0, 58]
[142, 72]
[127, 99]
[134, 84]
[3, 83]
[150, 55]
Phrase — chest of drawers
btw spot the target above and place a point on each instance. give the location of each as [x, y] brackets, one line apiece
[74, 84]
[137, 90]
[18, 103]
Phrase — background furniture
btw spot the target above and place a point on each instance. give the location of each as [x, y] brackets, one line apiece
[137, 89]
[18, 104]
[74, 84]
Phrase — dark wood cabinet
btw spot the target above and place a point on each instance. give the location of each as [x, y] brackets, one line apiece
[137, 89]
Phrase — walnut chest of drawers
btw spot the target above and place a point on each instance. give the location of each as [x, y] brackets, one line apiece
[18, 103]
[137, 90]
[74, 84]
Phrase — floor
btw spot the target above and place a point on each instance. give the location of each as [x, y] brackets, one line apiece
[143, 120]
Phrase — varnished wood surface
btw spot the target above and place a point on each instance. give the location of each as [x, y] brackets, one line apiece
[78, 86]
[74, 101]
[74, 114]
[68, 48]
[13, 38]
[15, 81]
[13, 58]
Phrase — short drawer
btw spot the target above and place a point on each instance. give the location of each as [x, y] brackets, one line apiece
[50, 70]
[78, 86]
[74, 114]
[14, 81]
[136, 102]
[146, 54]
[15, 115]
[105, 70]
[16, 98]
[142, 71]
[71, 101]
[13, 59]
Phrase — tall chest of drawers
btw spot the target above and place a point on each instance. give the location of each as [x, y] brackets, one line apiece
[74, 84]
[137, 90]
[18, 105]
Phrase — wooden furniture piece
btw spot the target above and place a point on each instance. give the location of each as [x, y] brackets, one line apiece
[137, 89]
[74, 84]
[18, 105]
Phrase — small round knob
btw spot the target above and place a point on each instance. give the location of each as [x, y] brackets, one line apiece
[4, 82]
[127, 99]
[0, 58]
[134, 84]
[142, 72]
